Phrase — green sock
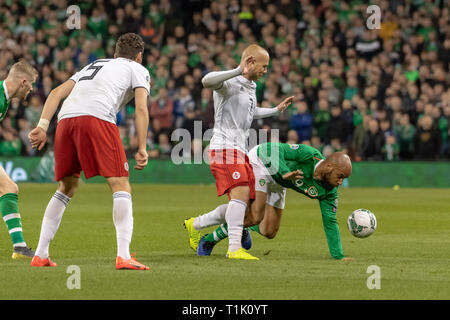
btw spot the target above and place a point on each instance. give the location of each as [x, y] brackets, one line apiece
[11, 216]
[222, 232]
[219, 234]
[255, 228]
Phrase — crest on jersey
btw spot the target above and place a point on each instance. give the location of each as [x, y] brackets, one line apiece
[262, 182]
[294, 146]
[236, 175]
[125, 165]
[312, 191]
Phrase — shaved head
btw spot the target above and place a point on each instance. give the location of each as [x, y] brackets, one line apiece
[341, 161]
[255, 51]
[334, 169]
[254, 62]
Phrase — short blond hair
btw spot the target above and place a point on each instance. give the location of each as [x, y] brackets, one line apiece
[254, 50]
[22, 67]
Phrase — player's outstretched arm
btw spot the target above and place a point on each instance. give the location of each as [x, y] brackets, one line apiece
[269, 112]
[214, 80]
[140, 98]
[328, 209]
[38, 136]
[285, 104]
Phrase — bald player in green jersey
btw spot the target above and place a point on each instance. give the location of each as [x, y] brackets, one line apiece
[17, 84]
[278, 166]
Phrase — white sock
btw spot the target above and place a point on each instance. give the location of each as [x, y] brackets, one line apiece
[212, 218]
[50, 223]
[123, 221]
[235, 219]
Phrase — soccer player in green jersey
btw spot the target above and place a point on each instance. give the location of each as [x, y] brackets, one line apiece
[18, 84]
[278, 166]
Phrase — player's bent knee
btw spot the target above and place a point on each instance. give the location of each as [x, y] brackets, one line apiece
[271, 235]
[68, 186]
[9, 187]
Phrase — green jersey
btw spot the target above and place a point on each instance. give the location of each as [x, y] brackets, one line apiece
[282, 158]
[4, 102]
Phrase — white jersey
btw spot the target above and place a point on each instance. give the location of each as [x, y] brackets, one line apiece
[103, 87]
[234, 107]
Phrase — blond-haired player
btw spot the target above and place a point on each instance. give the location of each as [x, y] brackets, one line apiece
[18, 84]
[234, 110]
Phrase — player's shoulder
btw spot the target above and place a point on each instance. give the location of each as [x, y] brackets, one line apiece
[305, 150]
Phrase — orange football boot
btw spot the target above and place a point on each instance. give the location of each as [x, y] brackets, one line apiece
[38, 262]
[129, 264]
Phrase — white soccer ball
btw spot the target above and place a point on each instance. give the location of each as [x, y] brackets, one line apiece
[362, 223]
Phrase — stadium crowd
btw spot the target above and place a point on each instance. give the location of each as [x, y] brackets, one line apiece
[381, 94]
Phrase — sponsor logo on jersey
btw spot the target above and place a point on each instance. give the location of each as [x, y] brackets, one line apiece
[236, 175]
[294, 146]
[262, 182]
[312, 191]
[125, 165]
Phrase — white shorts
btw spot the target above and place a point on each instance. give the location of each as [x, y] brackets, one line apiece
[276, 194]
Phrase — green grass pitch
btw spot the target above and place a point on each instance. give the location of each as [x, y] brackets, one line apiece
[411, 246]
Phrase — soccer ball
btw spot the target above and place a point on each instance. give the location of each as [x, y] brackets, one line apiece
[361, 223]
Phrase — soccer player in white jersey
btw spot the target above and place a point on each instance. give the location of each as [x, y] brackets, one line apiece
[234, 110]
[87, 139]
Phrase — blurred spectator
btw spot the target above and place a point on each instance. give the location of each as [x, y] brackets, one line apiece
[391, 149]
[337, 128]
[292, 137]
[10, 145]
[427, 140]
[302, 121]
[186, 105]
[405, 133]
[373, 142]
[161, 110]
[322, 119]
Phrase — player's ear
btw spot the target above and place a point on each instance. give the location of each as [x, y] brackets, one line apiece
[328, 168]
[139, 57]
